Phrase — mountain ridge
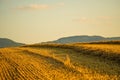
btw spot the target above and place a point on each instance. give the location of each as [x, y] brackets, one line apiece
[84, 38]
[5, 42]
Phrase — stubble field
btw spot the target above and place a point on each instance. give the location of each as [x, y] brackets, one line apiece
[61, 62]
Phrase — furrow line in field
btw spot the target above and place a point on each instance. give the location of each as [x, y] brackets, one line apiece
[23, 73]
[56, 63]
[26, 73]
[6, 67]
[13, 68]
[36, 73]
[27, 70]
[36, 70]
[1, 71]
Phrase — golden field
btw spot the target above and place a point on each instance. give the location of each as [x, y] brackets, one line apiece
[76, 61]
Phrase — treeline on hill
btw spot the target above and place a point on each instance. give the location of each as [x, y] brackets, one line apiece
[105, 42]
[104, 51]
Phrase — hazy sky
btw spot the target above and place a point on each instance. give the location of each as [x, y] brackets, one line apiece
[33, 21]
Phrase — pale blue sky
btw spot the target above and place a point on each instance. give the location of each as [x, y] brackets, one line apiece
[33, 21]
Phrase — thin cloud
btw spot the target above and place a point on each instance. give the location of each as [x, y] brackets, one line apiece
[105, 17]
[84, 20]
[34, 7]
[94, 21]
[38, 6]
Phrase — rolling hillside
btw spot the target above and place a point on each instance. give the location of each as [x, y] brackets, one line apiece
[84, 38]
[61, 62]
[4, 42]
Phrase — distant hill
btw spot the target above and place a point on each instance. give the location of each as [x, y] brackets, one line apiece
[4, 42]
[84, 38]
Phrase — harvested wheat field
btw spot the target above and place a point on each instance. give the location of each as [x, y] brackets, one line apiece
[61, 62]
